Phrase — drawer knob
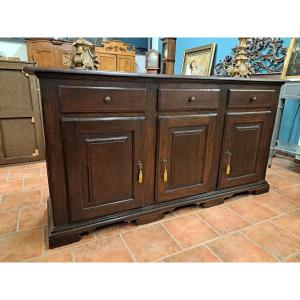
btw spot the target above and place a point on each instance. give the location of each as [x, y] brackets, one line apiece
[192, 99]
[253, 98]
[107, 99]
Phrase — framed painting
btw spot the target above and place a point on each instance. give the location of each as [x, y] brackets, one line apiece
[198, 61]
[291, 67]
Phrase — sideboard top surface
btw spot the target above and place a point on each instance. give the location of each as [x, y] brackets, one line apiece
[71, 73]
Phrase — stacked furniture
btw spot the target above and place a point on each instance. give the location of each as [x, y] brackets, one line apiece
[124, 147]
[50, 53]
[21, 132]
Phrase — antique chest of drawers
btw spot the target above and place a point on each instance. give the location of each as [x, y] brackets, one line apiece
[129, 147]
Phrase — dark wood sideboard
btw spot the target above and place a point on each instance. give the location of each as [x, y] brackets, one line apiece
[131, 147]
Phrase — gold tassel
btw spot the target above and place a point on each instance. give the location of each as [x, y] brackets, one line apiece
[228, 169]
[165, 176]
[140, 176]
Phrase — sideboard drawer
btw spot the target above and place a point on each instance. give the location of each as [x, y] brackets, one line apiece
[80, 99]
[188, 99]
[251, 98]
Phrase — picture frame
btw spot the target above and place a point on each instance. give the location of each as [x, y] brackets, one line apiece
[291, 67]
[198, 61]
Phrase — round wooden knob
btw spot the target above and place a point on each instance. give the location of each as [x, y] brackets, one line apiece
[253, 98]
[107, 99]
[192, 99]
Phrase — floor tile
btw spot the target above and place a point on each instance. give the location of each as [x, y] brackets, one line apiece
[45, 194]
[274, 239]
[238, 248]
[275, 202]
[12, 186]
[8, 169]
[223, 219]
[4, 176]
[24, 173]
[279, 181]
[189, 230]
[289, 175]
[33, 216]
[20, 199]
[59, 256]
[30, 183]
[291, 193]
[293, 258]
[291, 222]
[8, 221]
[21, 245]
[39, 164]
[251, 210]
[197, 254]
[150, 243]
[110, 249]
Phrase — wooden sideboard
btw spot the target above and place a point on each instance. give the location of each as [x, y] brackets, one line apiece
[21, 133]
[112, 55]
[132, 147]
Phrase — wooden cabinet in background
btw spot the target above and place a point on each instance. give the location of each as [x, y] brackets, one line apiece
[133, 147]
[112, 55]
[49, 53]
[115, 56]
[21, 134]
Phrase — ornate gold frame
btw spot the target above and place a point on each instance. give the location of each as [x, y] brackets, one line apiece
[287, 61]
[211, 47]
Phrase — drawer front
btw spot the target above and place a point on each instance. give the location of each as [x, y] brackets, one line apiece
[251, 98]
[188, 99]
[81, 99]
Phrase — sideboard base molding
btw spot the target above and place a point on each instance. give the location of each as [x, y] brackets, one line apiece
[69, 233]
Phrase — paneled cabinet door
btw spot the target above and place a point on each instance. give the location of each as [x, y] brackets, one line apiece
[185, 155]
[245, 147]
[104, 165]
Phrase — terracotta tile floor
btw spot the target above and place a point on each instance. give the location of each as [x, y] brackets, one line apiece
[263, 228]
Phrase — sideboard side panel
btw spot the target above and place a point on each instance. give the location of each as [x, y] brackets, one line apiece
[54, 152]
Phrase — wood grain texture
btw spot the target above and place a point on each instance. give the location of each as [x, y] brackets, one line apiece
[92, 152]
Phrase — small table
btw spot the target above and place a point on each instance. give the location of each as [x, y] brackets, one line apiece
[290, 90]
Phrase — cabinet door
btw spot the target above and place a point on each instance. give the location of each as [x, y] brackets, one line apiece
[245, 147]
[126, 63]
[107, 62]
[185, 155]
[44, 54]
[21, 135]
[104, 157]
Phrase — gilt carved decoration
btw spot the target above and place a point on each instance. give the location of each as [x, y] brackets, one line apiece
[84, 58]
[266, 55]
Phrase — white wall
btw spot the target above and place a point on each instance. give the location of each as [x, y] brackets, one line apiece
[140, 63]
[14, 49]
